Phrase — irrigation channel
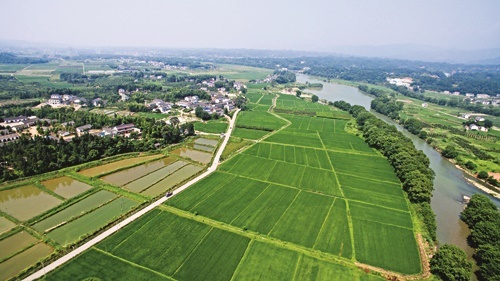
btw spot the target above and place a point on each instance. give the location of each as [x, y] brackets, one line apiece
[449, 184]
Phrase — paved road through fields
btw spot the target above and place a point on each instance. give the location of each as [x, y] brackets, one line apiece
[140, 213]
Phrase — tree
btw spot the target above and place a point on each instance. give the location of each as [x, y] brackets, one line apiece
[450, 152]
[470, 165]
[314, 98]
[174, 121]
[450, 263]
[483, 175]
[488, 123]
[298, 93]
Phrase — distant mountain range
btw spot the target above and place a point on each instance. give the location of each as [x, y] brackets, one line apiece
[413, 52]
[422, 53]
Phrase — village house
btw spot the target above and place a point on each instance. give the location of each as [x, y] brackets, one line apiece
[15, 119]
[8, 138]
[82, 129]
[482, 96]
[123, 130]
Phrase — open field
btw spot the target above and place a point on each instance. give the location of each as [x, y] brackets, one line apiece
[214, 127]
[194, 155]
[23, 260]
[146, 181]
[253, 119]
[250, 134]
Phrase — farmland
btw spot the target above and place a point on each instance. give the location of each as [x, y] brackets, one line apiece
[45, 214]
[307, 200]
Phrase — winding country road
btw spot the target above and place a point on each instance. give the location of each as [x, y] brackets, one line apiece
[140, 213]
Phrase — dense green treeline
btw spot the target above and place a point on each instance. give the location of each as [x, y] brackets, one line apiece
[483, 219]
[11, 58]
[411, 165]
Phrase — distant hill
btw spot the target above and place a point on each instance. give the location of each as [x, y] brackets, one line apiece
[422, 53]
[13, 59]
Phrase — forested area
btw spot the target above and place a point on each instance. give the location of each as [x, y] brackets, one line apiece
[11, 58]
[483, 219]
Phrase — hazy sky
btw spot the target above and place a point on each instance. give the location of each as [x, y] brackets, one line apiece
[259, 24]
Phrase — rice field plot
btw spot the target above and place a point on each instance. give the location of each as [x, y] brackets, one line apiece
[250, 166]
[289, 154]
[376, 198]
[83, 206]
[315, 269]
[321, 181]
[106, 168]
[66, 186]
[172, 180]
[219, 252]
[386, 246]
[372, 174]
[267, 262]
[26, 202]
[123, 177]
[379, 214]
[286, 173]
[228, 202]
[295, 138]
[303, 219]
[6, 225]
[335, 237]
[259, 119]
[385, 188]
[214, 127]
[96, 264]
[300, 155]
[160, 241]
[344, 141]
[142, 183]
[277, 152]
[73, 231]
[14, 265]
[372, 162]
[194, 155]
[266, 100]
[11, 68]
[206, 142]
[264, 150]
[204, 148]
[261, 108]
[316, 124]
[15, 243]
[312, 158]
[250, 134]
[253, 97]
[265, 211]
[200, 191]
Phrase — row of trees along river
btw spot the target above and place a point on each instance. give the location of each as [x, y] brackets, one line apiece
[450, 184]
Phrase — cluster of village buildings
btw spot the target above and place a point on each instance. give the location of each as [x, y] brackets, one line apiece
[13, 126]
[217, 104]
[473, 126]
[58, 100]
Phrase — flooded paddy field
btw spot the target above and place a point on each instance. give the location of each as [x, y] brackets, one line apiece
[26, 201]
[14, 265]
[15, 243]
[172, 180]
[6, 225]
[206, 142]
[106, 168]
[195, 155]
[74, 230]
[85, 205]
[66, 186]
[148, 180]
[126, 176]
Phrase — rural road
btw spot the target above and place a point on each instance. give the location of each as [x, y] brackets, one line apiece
[137, 215]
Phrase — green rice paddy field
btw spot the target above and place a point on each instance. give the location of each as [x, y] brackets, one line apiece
[304, 203]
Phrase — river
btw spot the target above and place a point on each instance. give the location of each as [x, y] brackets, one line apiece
[449, 183]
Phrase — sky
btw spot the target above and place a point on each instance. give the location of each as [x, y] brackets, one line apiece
[312, 25]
